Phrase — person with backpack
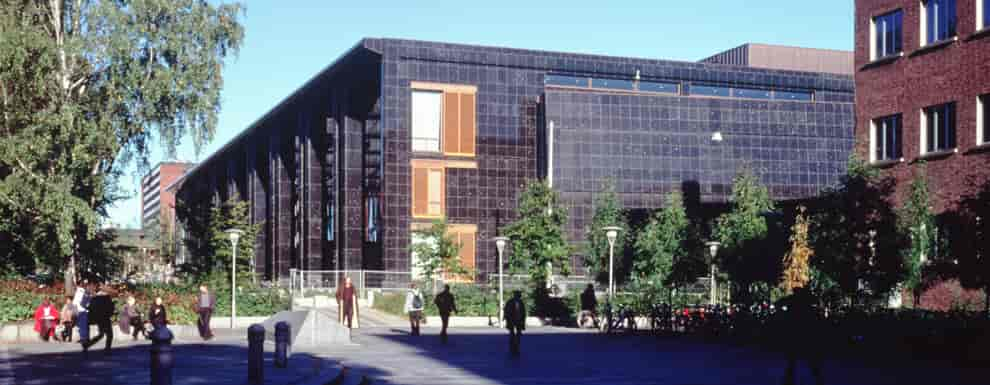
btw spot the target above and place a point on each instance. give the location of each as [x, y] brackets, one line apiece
[414, 307]
[445, 304]
[515, 321]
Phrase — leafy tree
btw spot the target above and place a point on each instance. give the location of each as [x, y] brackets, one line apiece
[84, 88]
[538, 235]
[209, 244]
[437, 251]
[970, 245]
[742, 232]
[853, 232]
[915, 218]
[796, 263]
[608, 212]
[659, 245]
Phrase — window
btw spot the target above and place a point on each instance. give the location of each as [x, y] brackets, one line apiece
[426, 112]
[566, 81]
[428, 189]
[612, 84]
[789, 95]
[372, 211]
[750, 93]
[982, 14]
[670, 88]
[708, 90]
[886, 35]
[885, 138]
[939, 128]
[466, 236]
[982, 115]
[444, 117]
[938, 20]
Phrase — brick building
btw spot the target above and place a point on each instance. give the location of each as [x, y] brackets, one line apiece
[398, 132]
[158, 203]
[922, 86]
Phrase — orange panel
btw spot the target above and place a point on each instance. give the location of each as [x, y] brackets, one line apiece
[468, 124]
[420, 191]
[467, 250]
[451, 142]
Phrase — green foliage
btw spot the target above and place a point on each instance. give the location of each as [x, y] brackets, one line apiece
[437, 251]
[215, 251]
[538, 237]
[658, 245]
[84, 87]
[743, 231]
[915, 218]
[854, 234]
[608, 212]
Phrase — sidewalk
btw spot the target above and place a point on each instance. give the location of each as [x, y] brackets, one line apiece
[222, 361]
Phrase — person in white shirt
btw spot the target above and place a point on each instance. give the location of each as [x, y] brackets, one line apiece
[414, 307]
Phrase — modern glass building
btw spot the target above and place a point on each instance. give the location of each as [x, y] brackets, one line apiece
[396, 133]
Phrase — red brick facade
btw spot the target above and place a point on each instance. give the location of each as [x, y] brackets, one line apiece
[956, 72]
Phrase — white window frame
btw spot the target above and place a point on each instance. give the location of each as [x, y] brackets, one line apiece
[874, 50]
[923, 17]
[420, 140]
[981, 119]
[876, 140]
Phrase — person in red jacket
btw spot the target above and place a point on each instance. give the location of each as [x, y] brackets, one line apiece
[45, 319]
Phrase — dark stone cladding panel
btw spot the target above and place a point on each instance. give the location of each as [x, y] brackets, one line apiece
[510, 87]
[650, 145]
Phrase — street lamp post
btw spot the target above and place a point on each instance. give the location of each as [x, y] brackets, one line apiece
[611, 232]
[500, 245]
[235, 235]
[713, 250]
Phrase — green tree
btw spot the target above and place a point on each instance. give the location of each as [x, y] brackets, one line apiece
[661, 242]
[608, 212]
[209, 244]
[742, 232]
[853, 231]
[916, 219]
[85, 86]
[796, 263]
[437, 251]
[537, 236]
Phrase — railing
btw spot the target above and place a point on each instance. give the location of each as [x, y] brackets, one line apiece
[302, 282]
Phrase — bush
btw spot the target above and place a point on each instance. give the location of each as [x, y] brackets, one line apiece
[19, 298]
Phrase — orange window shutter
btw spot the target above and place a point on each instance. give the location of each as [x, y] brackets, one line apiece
[420, 184]
[451, 122]
[468, 123]
[467, 250]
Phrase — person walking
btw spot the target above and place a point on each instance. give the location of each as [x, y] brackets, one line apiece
[515, 321]
[130, 321]
[589, 306]
[157, 314]
[445, 305]
[68, 319]
[802, 327]
[347, 304]
[414, 308]
[101, 313]
[205, 303]
[45, 319]
[81, 301]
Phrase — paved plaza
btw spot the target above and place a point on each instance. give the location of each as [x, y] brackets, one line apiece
[473, 356]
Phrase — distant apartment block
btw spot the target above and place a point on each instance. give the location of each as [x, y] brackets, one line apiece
[157, 204]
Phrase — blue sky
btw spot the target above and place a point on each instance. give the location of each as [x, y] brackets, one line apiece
[289, 41]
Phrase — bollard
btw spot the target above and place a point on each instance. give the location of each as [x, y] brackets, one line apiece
[161, 356]
[282, 330]
[256, 352]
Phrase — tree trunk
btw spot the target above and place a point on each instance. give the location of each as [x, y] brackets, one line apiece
[70, 275]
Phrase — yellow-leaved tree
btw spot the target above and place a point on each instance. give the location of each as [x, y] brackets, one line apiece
[796, 262]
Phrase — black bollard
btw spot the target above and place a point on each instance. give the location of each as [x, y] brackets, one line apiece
[256, 352]
[161, 356]
[282, 344]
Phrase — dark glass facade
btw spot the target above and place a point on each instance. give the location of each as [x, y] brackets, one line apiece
[574, 119]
